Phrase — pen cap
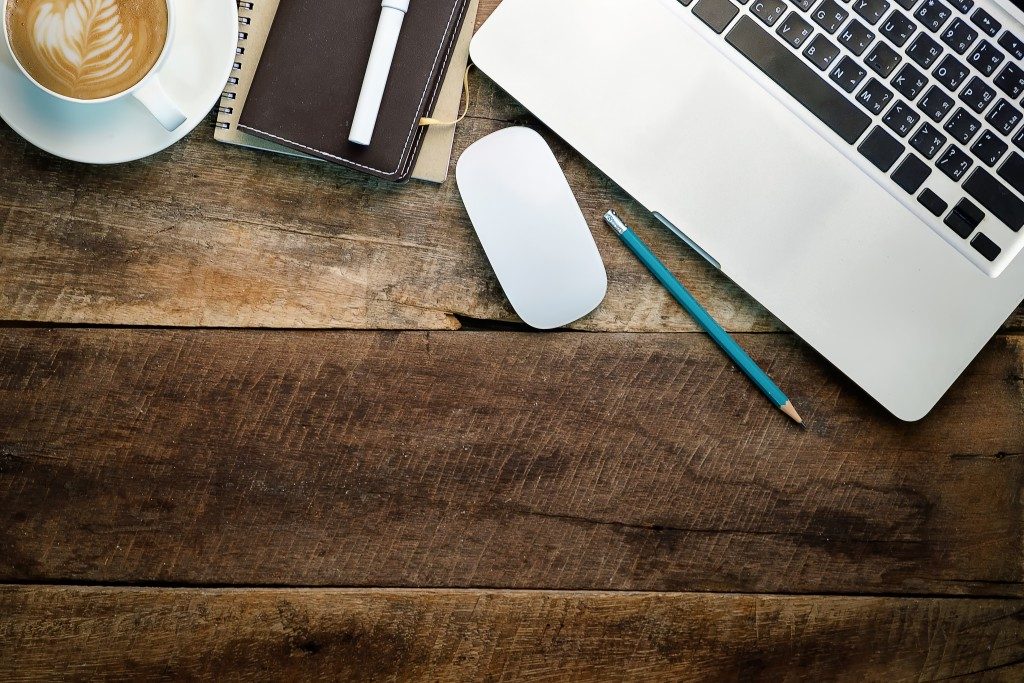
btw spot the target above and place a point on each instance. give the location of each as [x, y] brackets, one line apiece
[371, 95]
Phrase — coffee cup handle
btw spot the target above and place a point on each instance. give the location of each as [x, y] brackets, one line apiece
[155, 99]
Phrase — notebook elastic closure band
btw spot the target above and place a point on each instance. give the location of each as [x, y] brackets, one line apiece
[427, 121]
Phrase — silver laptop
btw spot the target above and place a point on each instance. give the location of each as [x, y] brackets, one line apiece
[857, 166]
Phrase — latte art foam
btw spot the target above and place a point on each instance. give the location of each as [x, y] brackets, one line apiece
[87, 49]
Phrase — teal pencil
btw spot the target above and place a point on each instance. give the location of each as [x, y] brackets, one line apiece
[728, 345]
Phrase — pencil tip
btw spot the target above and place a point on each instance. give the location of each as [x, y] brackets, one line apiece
[788, 409]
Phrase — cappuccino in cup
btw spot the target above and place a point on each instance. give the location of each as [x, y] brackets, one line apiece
[87, 49]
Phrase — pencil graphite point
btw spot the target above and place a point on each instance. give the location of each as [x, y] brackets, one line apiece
[788, 409]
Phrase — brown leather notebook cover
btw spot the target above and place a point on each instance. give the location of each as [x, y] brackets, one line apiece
[305, 89]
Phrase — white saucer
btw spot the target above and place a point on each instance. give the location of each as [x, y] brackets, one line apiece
[197, 68]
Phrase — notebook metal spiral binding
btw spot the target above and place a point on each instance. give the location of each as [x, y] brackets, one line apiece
[244, 21]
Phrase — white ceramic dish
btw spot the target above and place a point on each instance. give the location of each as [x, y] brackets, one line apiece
[197, 67]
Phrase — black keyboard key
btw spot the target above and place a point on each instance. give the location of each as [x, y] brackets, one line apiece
[933, 14]
[1013, 45]
[1012, 171]
[909, 82]
[871, 10]
[798, 79]
[881, 149]
[821, 52]
[954, 162]
[1018, 139]
[803, 4]
[962, 126]
[959, 36]
[897, 28]
[994, 196]
[927, 141]
[936, 104]
[829, 15]
[977, 95]
[794, 29]
[906, 4]
[950, 72]
[986, 247]
[963, 5]
[883, 59]
[768, 11]
[847, 74]
[911, 174]
[924, 50]
[956, 222]
[985, 58]
[932, 202]
[972, 214]
[901, 119]
[1011, 80]
[989, 148]
[874, 96]
[1004, 117]
[856, 37]
[716, 13]
[986, 22]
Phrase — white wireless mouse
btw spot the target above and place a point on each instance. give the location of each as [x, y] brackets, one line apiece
[531, 228]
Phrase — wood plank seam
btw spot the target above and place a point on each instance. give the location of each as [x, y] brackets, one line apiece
[499, 589]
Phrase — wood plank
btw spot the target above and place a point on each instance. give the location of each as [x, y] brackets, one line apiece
[205, 234]
[485, 10]
[459, 459]
[209, 235]
[389, 635]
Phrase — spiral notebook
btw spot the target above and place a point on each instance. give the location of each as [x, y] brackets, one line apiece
[255, 20]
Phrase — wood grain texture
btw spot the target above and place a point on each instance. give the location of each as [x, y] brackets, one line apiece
[470, 459]
[387, 635]
[205, 234]
[479, 460]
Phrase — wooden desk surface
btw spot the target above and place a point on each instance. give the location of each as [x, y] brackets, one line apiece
[262, 417]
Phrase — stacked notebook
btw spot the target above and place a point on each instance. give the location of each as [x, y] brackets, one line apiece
[299, 71]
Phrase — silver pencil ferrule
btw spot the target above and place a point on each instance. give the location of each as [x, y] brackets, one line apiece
[612, 219]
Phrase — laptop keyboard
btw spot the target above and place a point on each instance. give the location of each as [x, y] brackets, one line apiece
[928, 92]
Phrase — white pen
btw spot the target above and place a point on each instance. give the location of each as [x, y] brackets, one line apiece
[392, 13]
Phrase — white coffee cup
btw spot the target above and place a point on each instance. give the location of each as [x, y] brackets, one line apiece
[148, 90]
